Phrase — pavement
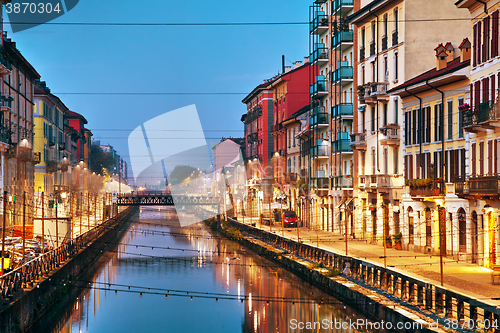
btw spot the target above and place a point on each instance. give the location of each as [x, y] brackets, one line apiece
[468, 279]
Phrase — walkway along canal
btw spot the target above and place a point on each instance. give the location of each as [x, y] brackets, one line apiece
[163, 278]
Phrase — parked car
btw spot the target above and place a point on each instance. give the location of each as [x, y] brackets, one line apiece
[290, 219]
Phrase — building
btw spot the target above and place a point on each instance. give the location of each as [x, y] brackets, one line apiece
[77, 122]
[18, 162]
[50, 143]
[120, 168]
[431, 213]
[391, 35]
[290, 95]
[481, 121]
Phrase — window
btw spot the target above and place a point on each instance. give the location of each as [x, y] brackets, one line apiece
[450, 120]
[396, 69]
[363, 75]
[396, 19]
[396, 110]
[373, 161]
[386, 70]
[373, 118]
[460, 119]
[385, 114]
[293, 137]
[396, 160]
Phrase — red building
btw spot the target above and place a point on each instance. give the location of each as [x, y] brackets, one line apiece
[78, 122]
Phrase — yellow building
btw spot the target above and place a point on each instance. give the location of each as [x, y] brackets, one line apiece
[49, 139]
[431, 216]
[394, 39]
[482, 121]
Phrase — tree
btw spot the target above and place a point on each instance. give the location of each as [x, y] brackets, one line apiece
[180, 173]
[100, 160]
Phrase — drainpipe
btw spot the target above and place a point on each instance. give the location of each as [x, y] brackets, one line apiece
[376, 62]
[443, 166]
[420, 121]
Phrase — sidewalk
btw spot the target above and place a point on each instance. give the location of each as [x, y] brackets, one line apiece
[461, 277]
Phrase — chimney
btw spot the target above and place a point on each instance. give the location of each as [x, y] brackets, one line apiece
[297, 64]
[306, 60]
[450, 51]
[288, 68]
[439, 48]
[441, 60]
[465, 47]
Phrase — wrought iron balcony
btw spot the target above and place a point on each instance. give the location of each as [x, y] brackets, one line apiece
[484, 185]
[485, 117]
[358, 141]
[426, 187]
[373, 92]
[390, 135]
[254, 114]
[319, 54]
[319, 23]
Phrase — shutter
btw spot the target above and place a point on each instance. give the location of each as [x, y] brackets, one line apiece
[406, 166]
[428, 164]
[495, 155]
[490, 157]
[487, 38]
[446, 177]
[474, 46]
[435, 164]
[485, 41]
[462, 163]
[436, 120]
[485, 89]
[479, 58]
[481, 158]
[477, 94]
[492, 82]
[473, 159]
[494, 51]
[417, 166]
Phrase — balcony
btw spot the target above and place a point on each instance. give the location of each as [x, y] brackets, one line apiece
[290, 178]
[372, 48]
[318, 24]
[6, 103]
[394, 37]
[254, 114]
[343, 39]
[342, 182]
[320, 54]
[319, 183]
[319, 119]
[358, 141]
[390, 135]
[486, 117]
[423, 188]
[342, 110]
[373, 92]
[342, 144]
[461, 188]
[5, 65]
[319, 151]
[343, 5]
[319, 88]
[343, 73]
[51, 166]
[484, 185]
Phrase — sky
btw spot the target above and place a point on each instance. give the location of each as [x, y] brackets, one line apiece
[158, 59]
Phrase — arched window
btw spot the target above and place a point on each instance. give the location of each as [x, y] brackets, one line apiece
[410, 225]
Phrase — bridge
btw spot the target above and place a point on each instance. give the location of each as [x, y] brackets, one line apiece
[165, 199]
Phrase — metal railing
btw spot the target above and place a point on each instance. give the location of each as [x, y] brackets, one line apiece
[26, 274]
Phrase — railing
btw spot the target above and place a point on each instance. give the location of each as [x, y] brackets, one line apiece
[319, 183]
[373, 90]
[380, 181]
[434, 189]
[486, 112]
[254, 114]
[343, 72]
[319, 21]
[358, 140]
[52, 166]
[319, 86]
[320, 53]
[341, 145]
[394, 37]
[484, 185]
[26, 274]
[342, 37]
[336, 4]
[319, 119]
[390, 135]
[318, 151]
[423, 296]
[342, 110]
[342, 182]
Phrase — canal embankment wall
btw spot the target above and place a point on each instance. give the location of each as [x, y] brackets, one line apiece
[378, 307]
[27, 305]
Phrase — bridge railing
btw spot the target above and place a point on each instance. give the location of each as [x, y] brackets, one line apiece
[33, 270]
[166, 199]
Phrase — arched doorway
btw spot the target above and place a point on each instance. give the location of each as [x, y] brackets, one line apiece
[410, 225]
[428, 227]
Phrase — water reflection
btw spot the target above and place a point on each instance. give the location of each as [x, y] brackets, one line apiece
[162, 258]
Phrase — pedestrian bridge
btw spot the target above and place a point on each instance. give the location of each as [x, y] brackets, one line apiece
[165, 199]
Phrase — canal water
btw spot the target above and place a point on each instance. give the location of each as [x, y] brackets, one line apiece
[163, 278]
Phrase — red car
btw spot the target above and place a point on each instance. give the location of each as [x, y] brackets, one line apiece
[290, 219]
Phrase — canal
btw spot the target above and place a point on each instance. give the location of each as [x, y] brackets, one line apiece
[163, 278]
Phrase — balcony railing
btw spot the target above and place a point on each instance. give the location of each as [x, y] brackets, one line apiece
[358, 141]
[337, 4]
[320, 53]
[342, 144]
[318, 119]
[390, 135]
[319, 183]
[319, 87]
[484, 185]
[379, 181]
[372, 92]
[319, 151]
[52, 166]
[483, 117]
[343, 72]
[319, 22]
[254, 114]
[342, 182]
[433, 188]
[372, 48]
[342, 37]
[342, 110]
[394, 37]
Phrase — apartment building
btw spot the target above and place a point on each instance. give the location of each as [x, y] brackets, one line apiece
[391, 36]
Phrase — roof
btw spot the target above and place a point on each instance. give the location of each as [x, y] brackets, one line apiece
[452, 66]
[14, 52]
[74, 115]
[360, 14]
[302, 110]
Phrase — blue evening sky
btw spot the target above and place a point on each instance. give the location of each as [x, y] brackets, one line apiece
[163, 59]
